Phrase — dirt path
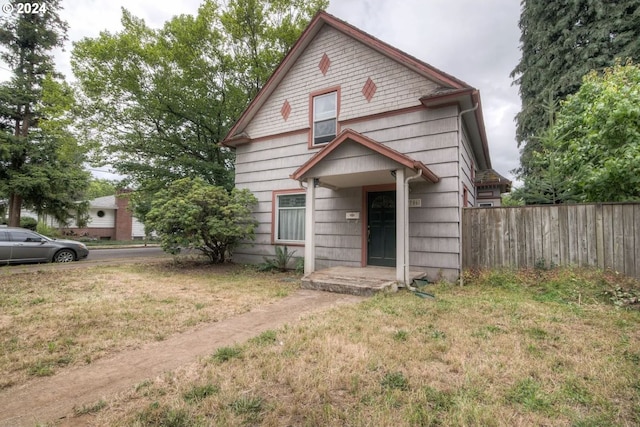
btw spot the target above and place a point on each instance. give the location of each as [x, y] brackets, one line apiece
[53, 399]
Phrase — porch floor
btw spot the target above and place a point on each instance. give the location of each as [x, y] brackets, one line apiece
[355, 281]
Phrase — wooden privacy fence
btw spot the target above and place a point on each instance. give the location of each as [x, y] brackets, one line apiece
[604, 235]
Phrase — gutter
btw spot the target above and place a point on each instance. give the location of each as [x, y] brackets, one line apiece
[460, 142]
[405, 212]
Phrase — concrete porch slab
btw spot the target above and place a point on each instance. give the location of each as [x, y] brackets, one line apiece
[363, 281]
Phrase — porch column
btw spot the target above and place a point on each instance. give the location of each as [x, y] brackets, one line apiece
[309, 228]
[401, 205]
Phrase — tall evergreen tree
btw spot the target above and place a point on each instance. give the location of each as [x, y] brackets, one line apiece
[40, 164]
[561, 42]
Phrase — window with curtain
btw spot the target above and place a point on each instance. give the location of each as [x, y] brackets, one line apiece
[325, 114]
[290, 217]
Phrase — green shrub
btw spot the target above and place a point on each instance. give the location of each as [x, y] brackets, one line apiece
[192, 214]
[28, 222]
[43, 228]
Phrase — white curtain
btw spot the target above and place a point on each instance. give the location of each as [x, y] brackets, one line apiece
[291, 224]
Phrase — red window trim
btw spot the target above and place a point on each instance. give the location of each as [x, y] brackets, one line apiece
[274, 209]
[312, 95]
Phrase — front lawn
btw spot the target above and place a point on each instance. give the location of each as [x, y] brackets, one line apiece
[529, 349]
[50, 320]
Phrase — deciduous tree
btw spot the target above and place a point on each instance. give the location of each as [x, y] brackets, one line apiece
[561, 42]
[161, 101]
[597, 136]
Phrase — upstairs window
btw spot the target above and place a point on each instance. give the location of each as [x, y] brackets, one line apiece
[325, 114]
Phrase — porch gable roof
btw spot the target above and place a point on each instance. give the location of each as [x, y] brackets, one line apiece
[351, 135]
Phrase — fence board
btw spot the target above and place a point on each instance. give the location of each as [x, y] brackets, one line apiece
[618, 238]
[545, 228]
[636, 227]
[582, 235]
[572, 235]
[607, 233]
[513, 237]
[563, 224]
[590, 235]
[629, 235]
[601, 235]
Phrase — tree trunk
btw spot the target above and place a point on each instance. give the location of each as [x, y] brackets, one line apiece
[15, 200]
[15, 204]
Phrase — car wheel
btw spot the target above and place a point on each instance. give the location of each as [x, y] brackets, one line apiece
[65, 255]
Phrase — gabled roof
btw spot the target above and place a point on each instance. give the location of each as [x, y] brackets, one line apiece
[490, 178]
[453, 90]
[105, 202]
[351, 135]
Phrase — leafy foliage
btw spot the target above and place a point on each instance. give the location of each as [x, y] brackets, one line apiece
[560, 43]
[192, 214]
[597, 136]
[99, 187]
[160, 101]
[592, 151]
[280, 262]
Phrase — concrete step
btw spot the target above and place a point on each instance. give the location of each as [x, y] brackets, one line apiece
[348, 285]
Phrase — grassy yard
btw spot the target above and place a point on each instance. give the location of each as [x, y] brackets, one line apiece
[528, 349]
[51, 320]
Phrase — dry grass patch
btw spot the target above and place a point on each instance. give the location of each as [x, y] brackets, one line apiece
[51, 320]
[507, 349]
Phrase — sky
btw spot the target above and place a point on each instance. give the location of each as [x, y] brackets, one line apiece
[474, 40]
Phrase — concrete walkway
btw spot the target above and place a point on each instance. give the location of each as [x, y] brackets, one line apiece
[53, 399]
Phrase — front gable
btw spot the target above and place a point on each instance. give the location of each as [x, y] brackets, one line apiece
[372, 77]
[368, 83]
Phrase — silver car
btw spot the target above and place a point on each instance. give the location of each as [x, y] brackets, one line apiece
[19, 245]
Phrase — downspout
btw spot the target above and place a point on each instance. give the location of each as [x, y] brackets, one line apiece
[405, 211]
[460, 142]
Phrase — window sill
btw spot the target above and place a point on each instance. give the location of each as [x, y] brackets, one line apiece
[288, 243]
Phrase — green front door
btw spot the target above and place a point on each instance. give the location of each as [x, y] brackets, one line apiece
[381, 228]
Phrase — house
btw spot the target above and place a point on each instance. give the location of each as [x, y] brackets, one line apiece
[109, 219]
[360, 155]
[490, 185]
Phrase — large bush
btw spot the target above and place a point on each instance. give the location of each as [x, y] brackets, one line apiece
[193, 214]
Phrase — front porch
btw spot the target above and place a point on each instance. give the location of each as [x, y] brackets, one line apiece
[353, 160]
[363, 281]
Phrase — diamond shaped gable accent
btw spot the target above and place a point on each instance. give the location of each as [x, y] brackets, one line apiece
[369, 89]
[285, 110]
[324, 64]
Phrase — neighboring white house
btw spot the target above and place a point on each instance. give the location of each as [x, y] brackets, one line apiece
[109, 218]
[360, 154]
